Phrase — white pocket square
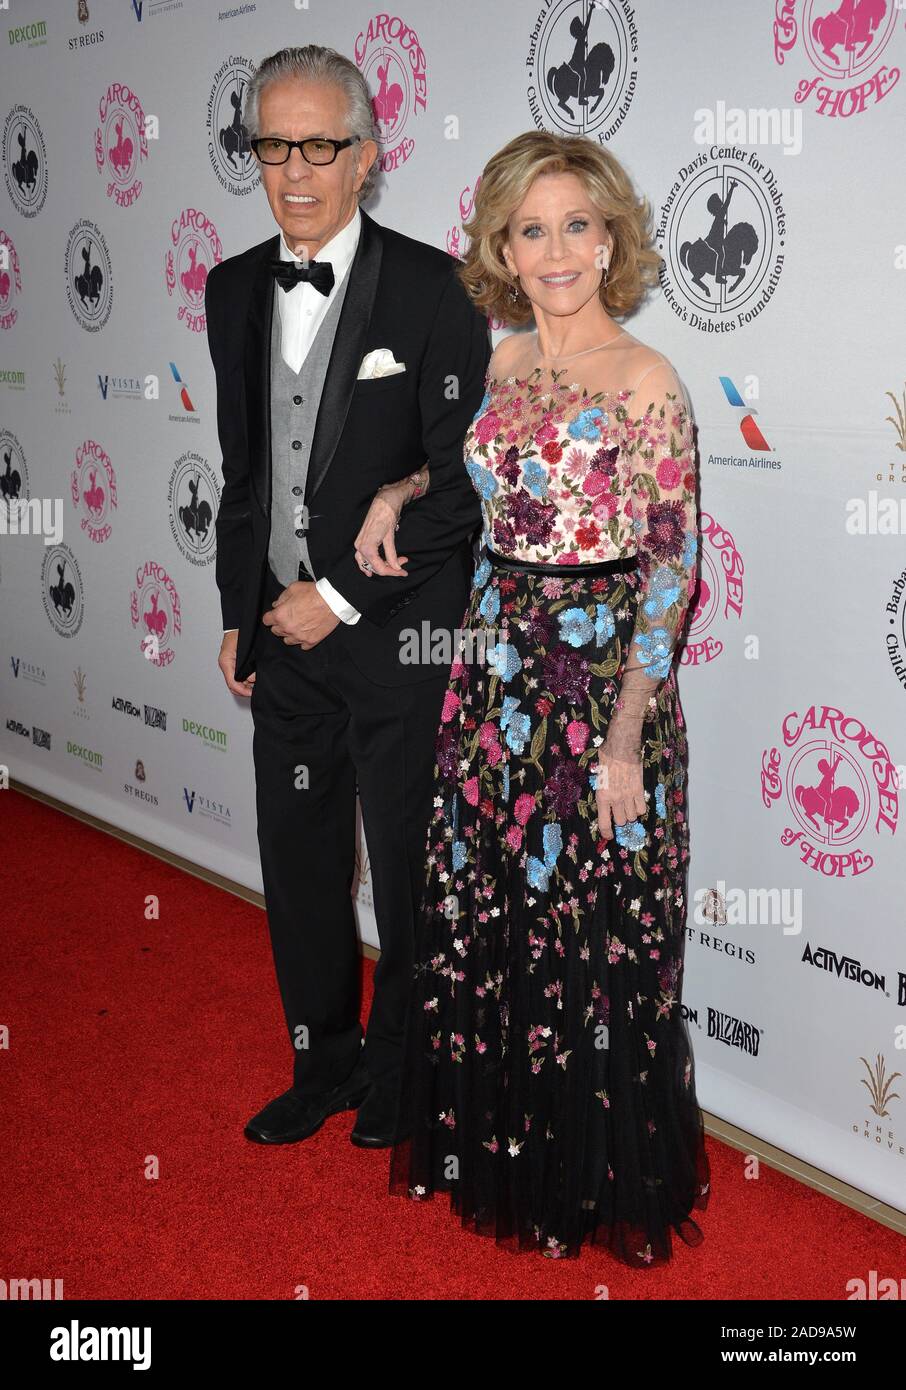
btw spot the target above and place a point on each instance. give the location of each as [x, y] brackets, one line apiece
[380, 362]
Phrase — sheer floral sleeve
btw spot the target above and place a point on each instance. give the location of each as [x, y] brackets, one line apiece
[660, 448]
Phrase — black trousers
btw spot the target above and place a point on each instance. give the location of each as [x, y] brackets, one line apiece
[320, 728]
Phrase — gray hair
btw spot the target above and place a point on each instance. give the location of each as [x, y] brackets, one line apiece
[315, 64]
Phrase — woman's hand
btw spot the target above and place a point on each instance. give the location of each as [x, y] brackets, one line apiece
[380, 525]
[620, 791]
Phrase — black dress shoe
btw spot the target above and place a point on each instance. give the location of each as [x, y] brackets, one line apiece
[377, 1122]
[291, 1117]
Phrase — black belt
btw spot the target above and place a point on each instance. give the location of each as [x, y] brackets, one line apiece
[621, 566]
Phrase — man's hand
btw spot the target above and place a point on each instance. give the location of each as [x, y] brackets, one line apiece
[227, 663]
[300, 616]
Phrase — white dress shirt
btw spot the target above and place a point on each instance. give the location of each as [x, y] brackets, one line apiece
[302, 311]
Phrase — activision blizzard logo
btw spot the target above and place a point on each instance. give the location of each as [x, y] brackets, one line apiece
[15, 726]
[721, 233]
[583, 67]
[40, 738]
[154, 718]
[24, 161]
[392, 61]
[89, 278]
[193, 495]
[61, 589]
[207, 808]
[720, 592]
[844, 967]
[843, 45]
[94, 501]
[229, 151]
[839, 783]
[876, 1126]
[28, 671]
[734, 1032]
[120, 143]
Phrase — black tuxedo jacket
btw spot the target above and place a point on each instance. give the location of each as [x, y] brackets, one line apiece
[402, 295]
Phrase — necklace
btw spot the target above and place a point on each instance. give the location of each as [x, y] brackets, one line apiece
[567, 357]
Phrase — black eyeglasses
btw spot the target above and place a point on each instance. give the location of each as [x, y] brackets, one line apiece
[316, 150]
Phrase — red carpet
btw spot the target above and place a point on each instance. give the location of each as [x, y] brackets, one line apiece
[133, 1041]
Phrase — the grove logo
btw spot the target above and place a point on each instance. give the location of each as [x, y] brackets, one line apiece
[720, 593]
[89, 279]
[843, 46]
[721, 233]
[10, 281]
[839, 785]
[193, 496]
[120, 143]
[195, 246]
[229, 150]
[156, 613]
[24, 161]
[61, 586]
[392, 61]
[583, 67]
[93, 490]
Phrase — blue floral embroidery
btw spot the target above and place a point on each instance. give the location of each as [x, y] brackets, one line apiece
[576, 627]
[660, 804]
[690, 550]
[490, 604]
[604, 624]
[585, 425]
[518, 726]
[483, 480]
[504, 660]
[631, 835]
[663, 591]
[482, 574]
[459, 854]
[506, 781]
[654, 652]
[538, 873]
[534, 477]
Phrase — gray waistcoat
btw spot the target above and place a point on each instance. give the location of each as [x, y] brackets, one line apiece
[288, 545]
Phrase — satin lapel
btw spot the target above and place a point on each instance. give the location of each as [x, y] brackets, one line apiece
[258, 373]
[347, 353]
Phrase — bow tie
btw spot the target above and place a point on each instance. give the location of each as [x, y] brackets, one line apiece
[317, 273]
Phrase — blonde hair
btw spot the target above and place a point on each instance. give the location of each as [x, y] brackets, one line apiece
[507, 177]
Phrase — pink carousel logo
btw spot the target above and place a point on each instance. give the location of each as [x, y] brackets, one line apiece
[838, 784]
[156, 612]
[10, 281]
[720, 593]
[93, 490]
[843, 44]
[458, 242]
[392, 62]
[120, 143]
[195, 248]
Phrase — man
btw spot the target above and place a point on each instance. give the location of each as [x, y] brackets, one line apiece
[311, 636]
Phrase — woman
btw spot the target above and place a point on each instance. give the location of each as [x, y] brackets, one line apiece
[549, 1082]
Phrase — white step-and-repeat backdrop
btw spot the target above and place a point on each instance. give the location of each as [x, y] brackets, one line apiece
[769, 139]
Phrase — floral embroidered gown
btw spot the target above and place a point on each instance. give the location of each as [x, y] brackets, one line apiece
[548, 1080]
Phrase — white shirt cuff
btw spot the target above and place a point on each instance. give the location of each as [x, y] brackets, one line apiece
[336, 602]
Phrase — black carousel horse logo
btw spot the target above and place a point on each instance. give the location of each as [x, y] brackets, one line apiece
[584, 76]
[724, 252]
